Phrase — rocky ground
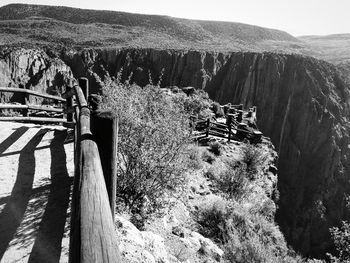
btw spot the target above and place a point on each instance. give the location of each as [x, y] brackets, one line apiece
[176, 235]
[36, 164]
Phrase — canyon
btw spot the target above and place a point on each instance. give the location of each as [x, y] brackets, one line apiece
[302, 101]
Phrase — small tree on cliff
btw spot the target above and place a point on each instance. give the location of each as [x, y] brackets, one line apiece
[153, 137]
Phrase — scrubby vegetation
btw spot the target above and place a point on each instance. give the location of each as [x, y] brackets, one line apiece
[341, 238]
[153, 139]
[153, 145]
[242, 218]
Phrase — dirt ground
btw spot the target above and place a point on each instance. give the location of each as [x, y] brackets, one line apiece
[36, 169]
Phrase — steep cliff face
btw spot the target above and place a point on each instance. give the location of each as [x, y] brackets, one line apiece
[32, 69]
[303, 105]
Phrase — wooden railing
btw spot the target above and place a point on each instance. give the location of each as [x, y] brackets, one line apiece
[92, 233]
[27, 106]
[230, 131]
[93, 237]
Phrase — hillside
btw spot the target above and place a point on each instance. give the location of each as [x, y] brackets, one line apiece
[61, 26]
[333, 48]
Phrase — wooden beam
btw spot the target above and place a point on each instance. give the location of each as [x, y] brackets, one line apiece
[104, 127]
[30, 107]
[98, 236]
[35, 119]
[33, 93]
[84, 85]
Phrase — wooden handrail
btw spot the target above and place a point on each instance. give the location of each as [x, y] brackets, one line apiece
[93, 237]
[30, 107]
[33, 119]
[32, 92]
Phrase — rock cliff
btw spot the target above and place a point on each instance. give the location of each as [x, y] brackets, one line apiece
[32, 69]
[303, 105]
[302, 102]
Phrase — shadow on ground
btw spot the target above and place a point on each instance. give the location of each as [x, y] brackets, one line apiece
[38, 214]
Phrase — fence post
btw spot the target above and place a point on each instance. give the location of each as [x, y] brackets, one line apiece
[104, 127]
[69, 104]
[208, 127]
[229, 117]
[84, 85]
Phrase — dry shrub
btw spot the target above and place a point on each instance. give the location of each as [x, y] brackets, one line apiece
[153, 137]
[208, 157]
[215, 148]
[245, 236]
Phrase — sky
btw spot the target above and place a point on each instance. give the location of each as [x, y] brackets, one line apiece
[297, 17]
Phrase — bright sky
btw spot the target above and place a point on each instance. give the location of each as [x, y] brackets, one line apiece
[297, 17]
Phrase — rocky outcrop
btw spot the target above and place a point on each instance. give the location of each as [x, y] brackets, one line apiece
[32, 69]
[303, 106]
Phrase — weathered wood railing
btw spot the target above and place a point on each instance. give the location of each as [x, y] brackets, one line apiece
[92, 233]
[26, 93]
[234, 129]
[93, 237]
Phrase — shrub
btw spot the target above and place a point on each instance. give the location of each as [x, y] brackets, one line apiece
[232, 180]
[208, 157]
[194, 158]
[341, 239]
[197, 104]
[215, 148]
[245, 237]
[153, 134]
[212, 220]
[254, 158]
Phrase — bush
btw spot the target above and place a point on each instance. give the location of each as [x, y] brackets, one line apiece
[341, 239]
[231, 180]
[215, 148]
[245, 237]
[197, 104]
[208, 157]
[153, 136]
[194, 158]
[254, 159]
[212, 220]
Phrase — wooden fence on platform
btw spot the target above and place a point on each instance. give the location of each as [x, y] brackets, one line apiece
[231, 131]
[92, 233]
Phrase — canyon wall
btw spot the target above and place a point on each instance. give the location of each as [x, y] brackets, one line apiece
[303, 106]
[32, 69]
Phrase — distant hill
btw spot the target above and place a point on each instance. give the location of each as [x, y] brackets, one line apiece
[334, 48]
[38, 24]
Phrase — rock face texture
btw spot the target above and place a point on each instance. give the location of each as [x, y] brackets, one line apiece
[303, 106]
[32, 69]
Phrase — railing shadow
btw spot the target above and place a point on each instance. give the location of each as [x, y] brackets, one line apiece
[47, 246]
[5, 144]
[13, 212]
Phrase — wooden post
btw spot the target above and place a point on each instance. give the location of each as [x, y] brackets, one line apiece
[84, 85]
[208, 127]
[69, 104]
[104, 127]
[229, 127]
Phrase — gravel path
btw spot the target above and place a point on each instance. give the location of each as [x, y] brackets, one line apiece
[36, 169]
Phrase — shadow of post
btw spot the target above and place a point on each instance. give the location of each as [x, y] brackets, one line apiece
[12, 215]
[5, 144]
[47, 246]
